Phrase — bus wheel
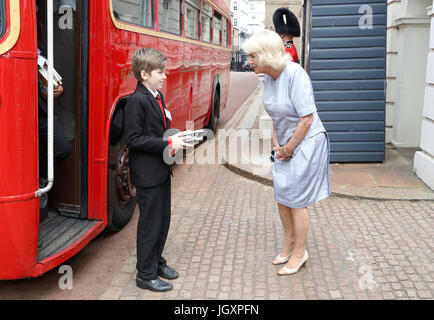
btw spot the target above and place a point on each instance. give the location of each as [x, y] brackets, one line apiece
[122, 198]
[215, 113]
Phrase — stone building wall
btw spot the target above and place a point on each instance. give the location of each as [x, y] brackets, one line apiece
[407, 48]
[295, 6]
[424, 159]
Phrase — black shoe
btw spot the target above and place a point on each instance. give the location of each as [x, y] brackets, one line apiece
[156, 285]
[167, 272]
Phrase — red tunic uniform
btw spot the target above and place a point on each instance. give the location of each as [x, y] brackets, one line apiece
[291, 50]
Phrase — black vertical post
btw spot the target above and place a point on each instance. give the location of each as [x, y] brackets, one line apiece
[84, 106]
[303, 52]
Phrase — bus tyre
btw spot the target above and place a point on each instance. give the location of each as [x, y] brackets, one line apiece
[121, 196]
[215, 113]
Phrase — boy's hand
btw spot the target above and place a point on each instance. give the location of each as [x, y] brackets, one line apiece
[178, 142]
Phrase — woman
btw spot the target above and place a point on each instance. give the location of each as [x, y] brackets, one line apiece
[301, 166]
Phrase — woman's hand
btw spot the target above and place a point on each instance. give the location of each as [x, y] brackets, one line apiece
[281, 155]
[299, 135]
[279, 151]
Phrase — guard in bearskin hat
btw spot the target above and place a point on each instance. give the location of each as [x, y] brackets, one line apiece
[287, 26]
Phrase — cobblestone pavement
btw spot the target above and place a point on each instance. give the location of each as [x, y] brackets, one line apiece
[225, 230]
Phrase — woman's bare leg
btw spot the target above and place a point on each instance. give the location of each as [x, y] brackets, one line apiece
[288, 226]
[301, 229]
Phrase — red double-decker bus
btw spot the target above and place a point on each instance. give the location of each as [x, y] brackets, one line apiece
[92, 43]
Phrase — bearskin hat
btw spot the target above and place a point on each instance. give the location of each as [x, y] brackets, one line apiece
[286, 22]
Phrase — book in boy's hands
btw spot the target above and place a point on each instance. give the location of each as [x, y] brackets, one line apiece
[193, 140]
[191, 137]
[194, 137]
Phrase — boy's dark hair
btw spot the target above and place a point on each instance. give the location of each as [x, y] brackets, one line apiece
[148, 59]
[285, 22]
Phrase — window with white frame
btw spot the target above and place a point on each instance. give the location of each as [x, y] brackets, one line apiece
[192, 18]
[224, 32]
[169, 15]
[217, 28]
[137, 12]
[206, 21]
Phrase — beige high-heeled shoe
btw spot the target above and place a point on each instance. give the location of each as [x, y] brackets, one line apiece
[287, 271]
[279, 259]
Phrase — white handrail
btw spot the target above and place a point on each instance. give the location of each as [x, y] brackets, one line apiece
[50, 110]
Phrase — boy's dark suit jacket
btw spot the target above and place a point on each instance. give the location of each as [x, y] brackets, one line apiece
[143, 133]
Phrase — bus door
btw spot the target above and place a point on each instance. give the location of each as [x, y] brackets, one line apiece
[65, 193]
[66, 206]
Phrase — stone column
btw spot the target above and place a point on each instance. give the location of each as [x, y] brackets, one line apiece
[393, 9]
[424, 160]
[408, 67]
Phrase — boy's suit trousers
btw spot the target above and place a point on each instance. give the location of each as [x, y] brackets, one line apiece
[153, 227]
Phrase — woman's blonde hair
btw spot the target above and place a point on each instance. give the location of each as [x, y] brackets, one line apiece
[269, 47]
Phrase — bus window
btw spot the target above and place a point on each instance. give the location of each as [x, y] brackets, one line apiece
[137, 12]
[169, 15]
[192, 13]
[206, 22]
[224, 32]
[2, 19]
[217, 27]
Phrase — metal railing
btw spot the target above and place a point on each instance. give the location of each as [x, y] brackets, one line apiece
[239, 61]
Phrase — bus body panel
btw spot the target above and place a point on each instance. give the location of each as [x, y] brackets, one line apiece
[19, 112]
[205, 82]
[19, 209]
[173, 87]
[19, 238]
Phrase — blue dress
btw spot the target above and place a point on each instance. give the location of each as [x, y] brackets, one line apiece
[305, 179]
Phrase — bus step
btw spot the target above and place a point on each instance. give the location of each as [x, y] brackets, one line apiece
[68, 210]
[58, 232]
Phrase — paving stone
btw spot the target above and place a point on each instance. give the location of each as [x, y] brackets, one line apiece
[122, 278]
[112, 293]
[388, 295]
[335, 294]
[425, 294]
[411, 292]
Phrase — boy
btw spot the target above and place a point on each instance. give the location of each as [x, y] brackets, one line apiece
[287, 26]
[146, 120]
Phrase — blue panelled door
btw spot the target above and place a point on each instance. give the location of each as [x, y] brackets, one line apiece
[347, 65]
